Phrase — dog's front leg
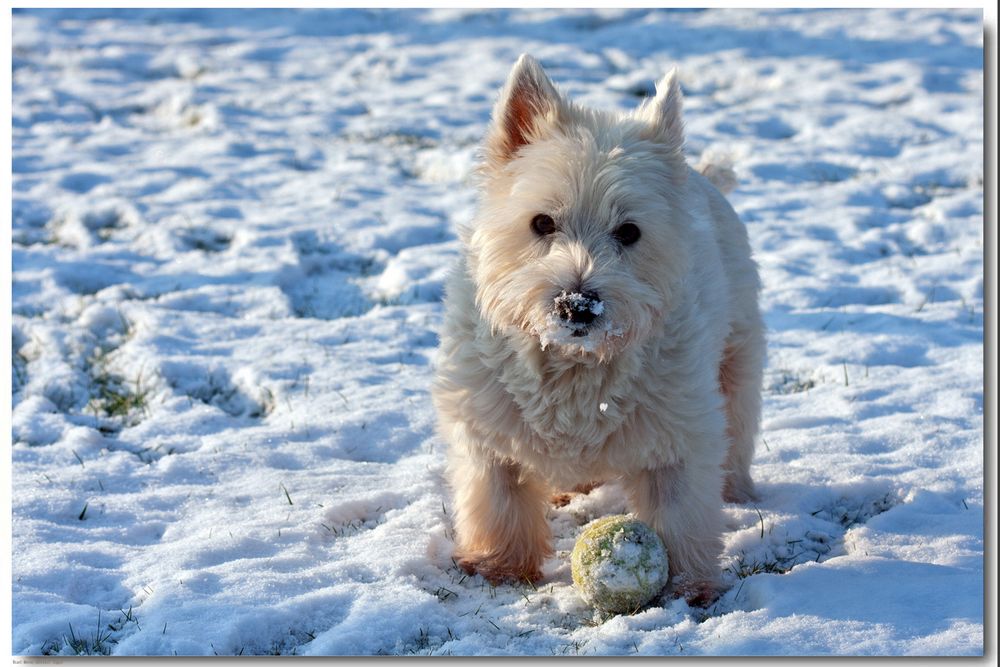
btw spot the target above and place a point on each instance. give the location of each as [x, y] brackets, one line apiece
[682, 502]
[500, 525]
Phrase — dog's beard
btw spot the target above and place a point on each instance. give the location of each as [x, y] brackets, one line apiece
[599, 338]
[614, 331]
[530, 302]
[598, 341]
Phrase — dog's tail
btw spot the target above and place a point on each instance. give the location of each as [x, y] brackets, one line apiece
[718, 169]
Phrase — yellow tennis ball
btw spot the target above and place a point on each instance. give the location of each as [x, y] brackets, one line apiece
[619, 564]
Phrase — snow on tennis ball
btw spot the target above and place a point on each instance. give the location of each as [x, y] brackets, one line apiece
[619, 564]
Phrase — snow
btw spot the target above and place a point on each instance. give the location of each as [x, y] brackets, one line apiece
[230, 235]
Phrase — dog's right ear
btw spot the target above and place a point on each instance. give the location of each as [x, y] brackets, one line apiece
[528, 104]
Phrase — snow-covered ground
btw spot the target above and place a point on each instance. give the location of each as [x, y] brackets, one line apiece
[230, 232]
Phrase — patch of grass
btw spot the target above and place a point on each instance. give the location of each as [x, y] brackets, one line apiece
[114, 397]
[104, 223]
[19, 371]
[423, 644]
[790, 382]
[850, 512]
[812, 546]
[572, 648]
[100, 641]
[354, 526]
[265, 405]
[278, 649]
[206, 240]
[443, 593]
[219, 391]
[743, 567]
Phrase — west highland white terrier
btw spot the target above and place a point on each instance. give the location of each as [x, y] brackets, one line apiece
[602, 324]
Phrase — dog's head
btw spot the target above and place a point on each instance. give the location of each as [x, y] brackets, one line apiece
[579, 239]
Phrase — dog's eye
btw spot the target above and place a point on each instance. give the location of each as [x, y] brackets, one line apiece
[543, 225]
[627, 234]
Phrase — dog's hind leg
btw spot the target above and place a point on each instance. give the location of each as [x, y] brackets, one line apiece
[740, 376]
[500, 522]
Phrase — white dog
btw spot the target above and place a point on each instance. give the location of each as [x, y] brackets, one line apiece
[602, 324]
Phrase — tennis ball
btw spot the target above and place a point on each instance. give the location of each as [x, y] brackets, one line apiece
[619, 564]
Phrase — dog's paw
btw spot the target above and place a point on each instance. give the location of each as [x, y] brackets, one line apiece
[497, 572]
[698, 593]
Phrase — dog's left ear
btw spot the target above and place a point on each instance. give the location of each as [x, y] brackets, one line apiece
[662, 113]
[528, 105]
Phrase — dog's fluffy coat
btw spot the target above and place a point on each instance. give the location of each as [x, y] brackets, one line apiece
[661, 391]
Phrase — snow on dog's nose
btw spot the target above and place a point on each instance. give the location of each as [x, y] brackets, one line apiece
[578, 309]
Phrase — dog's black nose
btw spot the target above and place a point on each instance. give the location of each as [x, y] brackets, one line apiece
[580, 308]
